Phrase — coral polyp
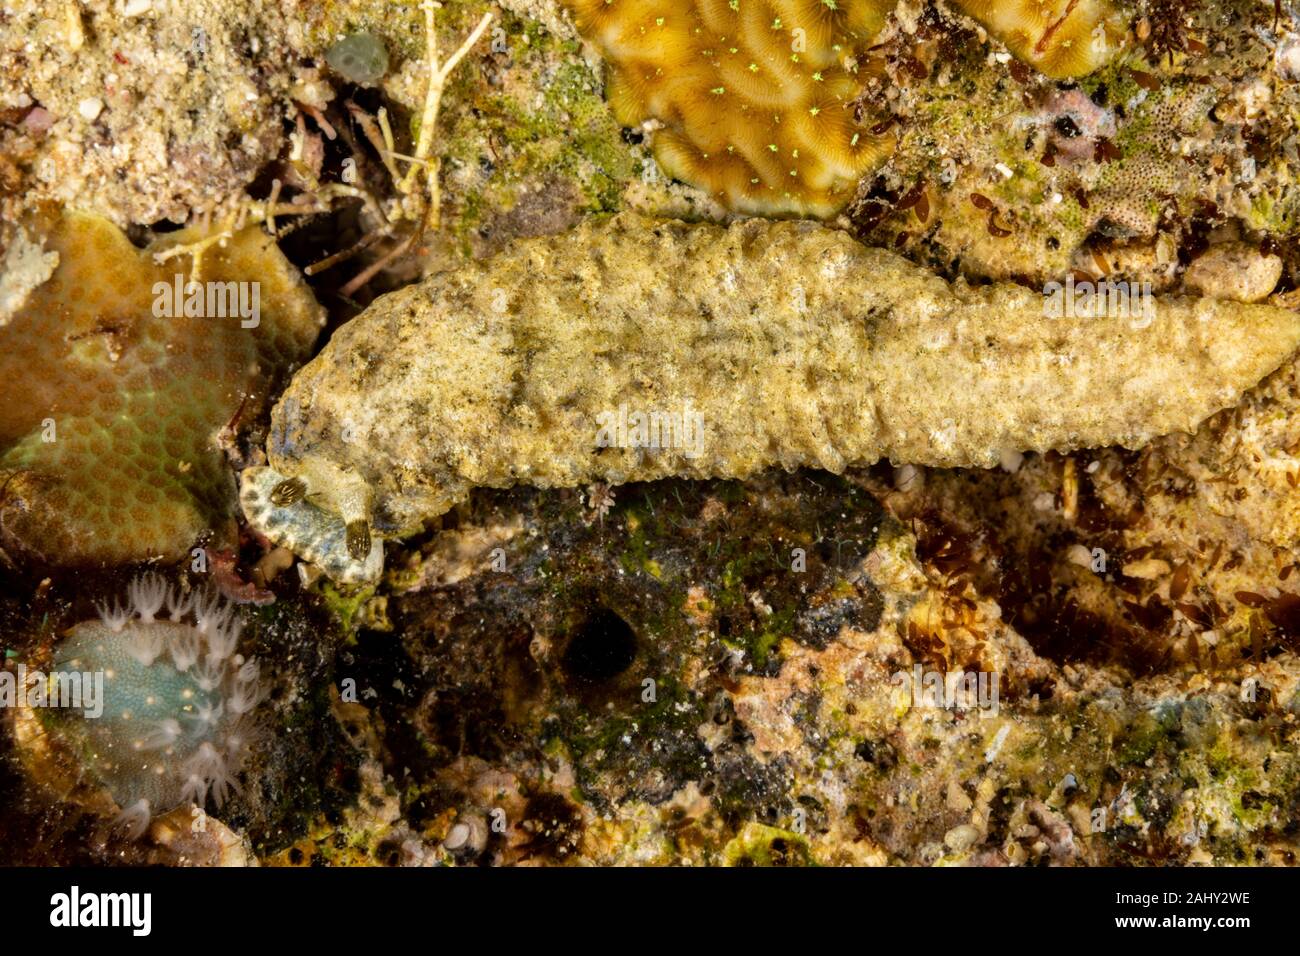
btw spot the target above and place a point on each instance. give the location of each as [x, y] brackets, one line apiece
[756, 98]
[178, 700]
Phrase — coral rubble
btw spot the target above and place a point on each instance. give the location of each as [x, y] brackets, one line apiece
[148, 115]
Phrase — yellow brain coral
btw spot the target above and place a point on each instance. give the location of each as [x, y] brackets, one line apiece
[756, 96]
[1060, 38]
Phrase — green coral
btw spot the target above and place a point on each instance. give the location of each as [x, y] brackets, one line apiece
[115, 455]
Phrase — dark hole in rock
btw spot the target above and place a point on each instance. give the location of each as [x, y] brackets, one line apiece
[603, 647]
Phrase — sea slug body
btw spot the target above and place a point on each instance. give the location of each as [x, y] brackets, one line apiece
[631, 350]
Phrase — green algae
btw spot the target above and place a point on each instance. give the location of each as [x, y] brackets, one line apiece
[564, 135]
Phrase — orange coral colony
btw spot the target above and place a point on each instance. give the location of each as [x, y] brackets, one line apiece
[756, 97]
[1060, 38]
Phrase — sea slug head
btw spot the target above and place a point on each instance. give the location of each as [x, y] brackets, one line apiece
[317, 496]
[285, 510]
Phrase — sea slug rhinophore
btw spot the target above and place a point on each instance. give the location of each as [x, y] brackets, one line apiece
[631, 350]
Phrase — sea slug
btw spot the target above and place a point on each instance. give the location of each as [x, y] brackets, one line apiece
[632, 350]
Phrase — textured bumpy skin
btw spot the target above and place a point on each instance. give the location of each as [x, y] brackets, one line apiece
[795, 345]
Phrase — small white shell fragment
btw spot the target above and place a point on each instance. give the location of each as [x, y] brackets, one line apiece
[1234, 270]
[995, 746]
[457, 837]
[961, 838]
[906, 477]
[76, 34]
[956, 799]
[1079, 555]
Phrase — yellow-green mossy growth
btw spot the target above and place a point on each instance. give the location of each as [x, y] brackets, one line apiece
[756, 97]
[110, 450]
[1059, 38]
